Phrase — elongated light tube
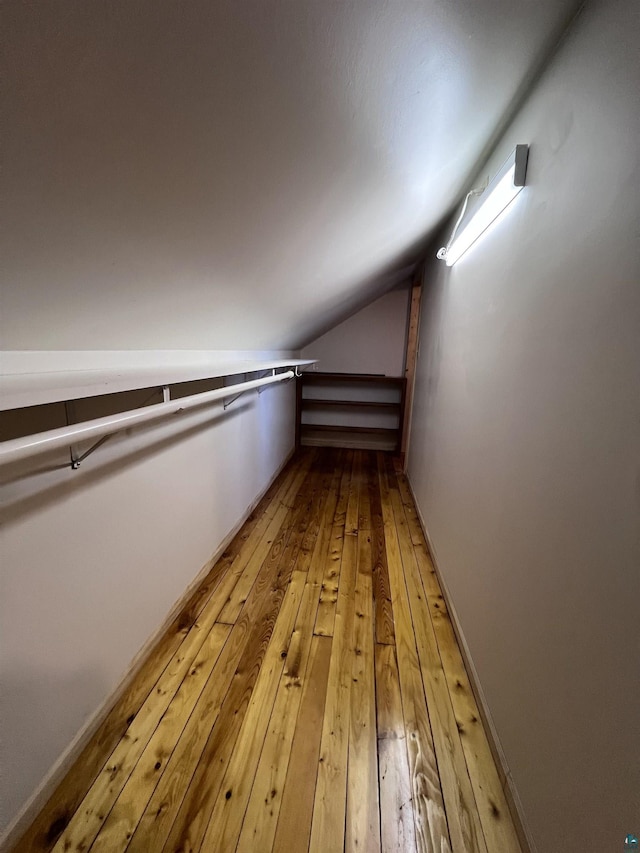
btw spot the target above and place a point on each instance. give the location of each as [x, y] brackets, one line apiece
[497, 196]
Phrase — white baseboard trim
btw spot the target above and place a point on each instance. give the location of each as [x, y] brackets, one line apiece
[513, 798]
[27, 814]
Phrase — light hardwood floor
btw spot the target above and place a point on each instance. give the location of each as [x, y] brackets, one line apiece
[311, 696]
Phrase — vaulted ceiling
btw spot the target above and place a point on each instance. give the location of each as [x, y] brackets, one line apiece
[239, 173]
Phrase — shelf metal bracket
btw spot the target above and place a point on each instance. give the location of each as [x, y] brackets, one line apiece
[235, 397]
[76, 460]
[71, 418]
[266, 373]
[261, 375]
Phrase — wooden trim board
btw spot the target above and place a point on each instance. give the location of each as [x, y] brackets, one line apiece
[513, 799]
[28, 813]
[411, 356]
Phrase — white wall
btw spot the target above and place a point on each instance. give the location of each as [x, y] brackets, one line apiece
[525, 451]
[94, 559]
[370, 341]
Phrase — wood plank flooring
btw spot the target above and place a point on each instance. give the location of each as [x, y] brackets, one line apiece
[310, 697]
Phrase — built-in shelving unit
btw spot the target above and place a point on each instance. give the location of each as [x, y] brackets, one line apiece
[350, 410]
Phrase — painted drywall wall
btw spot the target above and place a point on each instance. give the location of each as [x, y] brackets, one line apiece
[525, 452]
[224, 174]
[371, 341]
[93, 560]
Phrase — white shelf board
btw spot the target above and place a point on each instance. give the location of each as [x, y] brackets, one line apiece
[18, 390]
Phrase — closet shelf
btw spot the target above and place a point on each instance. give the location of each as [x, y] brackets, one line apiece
[317, 403]
[351, 429]
[21, 389]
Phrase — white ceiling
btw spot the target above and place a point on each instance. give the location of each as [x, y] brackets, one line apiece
[240, 174]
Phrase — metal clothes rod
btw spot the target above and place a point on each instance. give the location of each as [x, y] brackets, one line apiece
[33, 445]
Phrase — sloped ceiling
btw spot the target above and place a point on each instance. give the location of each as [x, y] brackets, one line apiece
[213, 174]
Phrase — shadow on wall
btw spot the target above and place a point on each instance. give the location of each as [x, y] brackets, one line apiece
[93, 473]
[26, 698]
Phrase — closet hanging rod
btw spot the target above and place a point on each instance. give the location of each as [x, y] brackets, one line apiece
[33, 445]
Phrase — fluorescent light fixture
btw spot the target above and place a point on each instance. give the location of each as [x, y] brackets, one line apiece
[496, 197]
